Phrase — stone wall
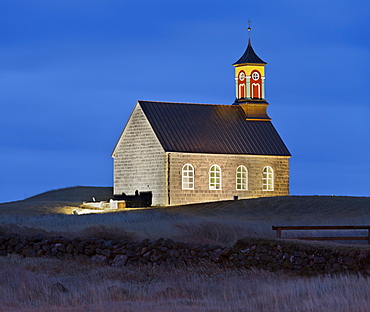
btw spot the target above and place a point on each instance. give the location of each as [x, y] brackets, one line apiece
[228, 164]
[274, 255]
[139, 160]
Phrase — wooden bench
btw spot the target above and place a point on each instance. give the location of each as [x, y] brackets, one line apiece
[278, 230]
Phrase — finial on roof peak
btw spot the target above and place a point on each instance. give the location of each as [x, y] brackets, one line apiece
[249, 29]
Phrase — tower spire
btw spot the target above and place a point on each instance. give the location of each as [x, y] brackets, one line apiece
[250, 83]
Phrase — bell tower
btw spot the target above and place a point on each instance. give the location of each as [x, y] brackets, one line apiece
[250, 84]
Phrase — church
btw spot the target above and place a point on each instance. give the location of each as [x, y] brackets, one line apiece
[183, 153]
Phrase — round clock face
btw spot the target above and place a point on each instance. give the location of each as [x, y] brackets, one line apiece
[255, 76]
[241, 76]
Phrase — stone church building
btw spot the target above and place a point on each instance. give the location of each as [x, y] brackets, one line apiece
[190, 153]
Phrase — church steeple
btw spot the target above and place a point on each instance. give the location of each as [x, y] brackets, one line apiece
[250, 84]
[249, 56]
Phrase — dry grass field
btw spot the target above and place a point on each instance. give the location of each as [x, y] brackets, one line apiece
[32, 284]
[36, 285]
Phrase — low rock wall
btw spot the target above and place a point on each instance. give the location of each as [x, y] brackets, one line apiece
[273, 255]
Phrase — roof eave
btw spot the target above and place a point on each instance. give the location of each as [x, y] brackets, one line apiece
[115, 147]
[240, 64]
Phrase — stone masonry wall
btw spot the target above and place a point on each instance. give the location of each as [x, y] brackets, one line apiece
[228, 164]
[273, 255]
[139, 160]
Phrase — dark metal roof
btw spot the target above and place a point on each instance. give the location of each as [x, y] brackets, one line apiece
[208, 128]
[249, 56]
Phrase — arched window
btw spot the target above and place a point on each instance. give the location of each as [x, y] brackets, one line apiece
[267, 179]
[215, 178]
[241, 84]
[242, 178]
[256, 91]
[256, 84]
[187, 177]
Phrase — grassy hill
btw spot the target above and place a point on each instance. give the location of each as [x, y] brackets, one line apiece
[284, 207]
[56, 201]
[198, 288]
[217, 222]
[319, 208]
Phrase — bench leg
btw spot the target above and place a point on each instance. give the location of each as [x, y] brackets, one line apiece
[278, 233]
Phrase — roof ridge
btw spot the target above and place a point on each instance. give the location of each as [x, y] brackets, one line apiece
[186, 103]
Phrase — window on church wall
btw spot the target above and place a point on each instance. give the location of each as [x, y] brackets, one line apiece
[241, 91]
[267, 179]
[256, 91]
[242, 178]
[241, 84]
[215, 178]
[256, 82]
[187, 177]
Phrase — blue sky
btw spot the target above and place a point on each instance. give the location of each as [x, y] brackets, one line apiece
[72, 71]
